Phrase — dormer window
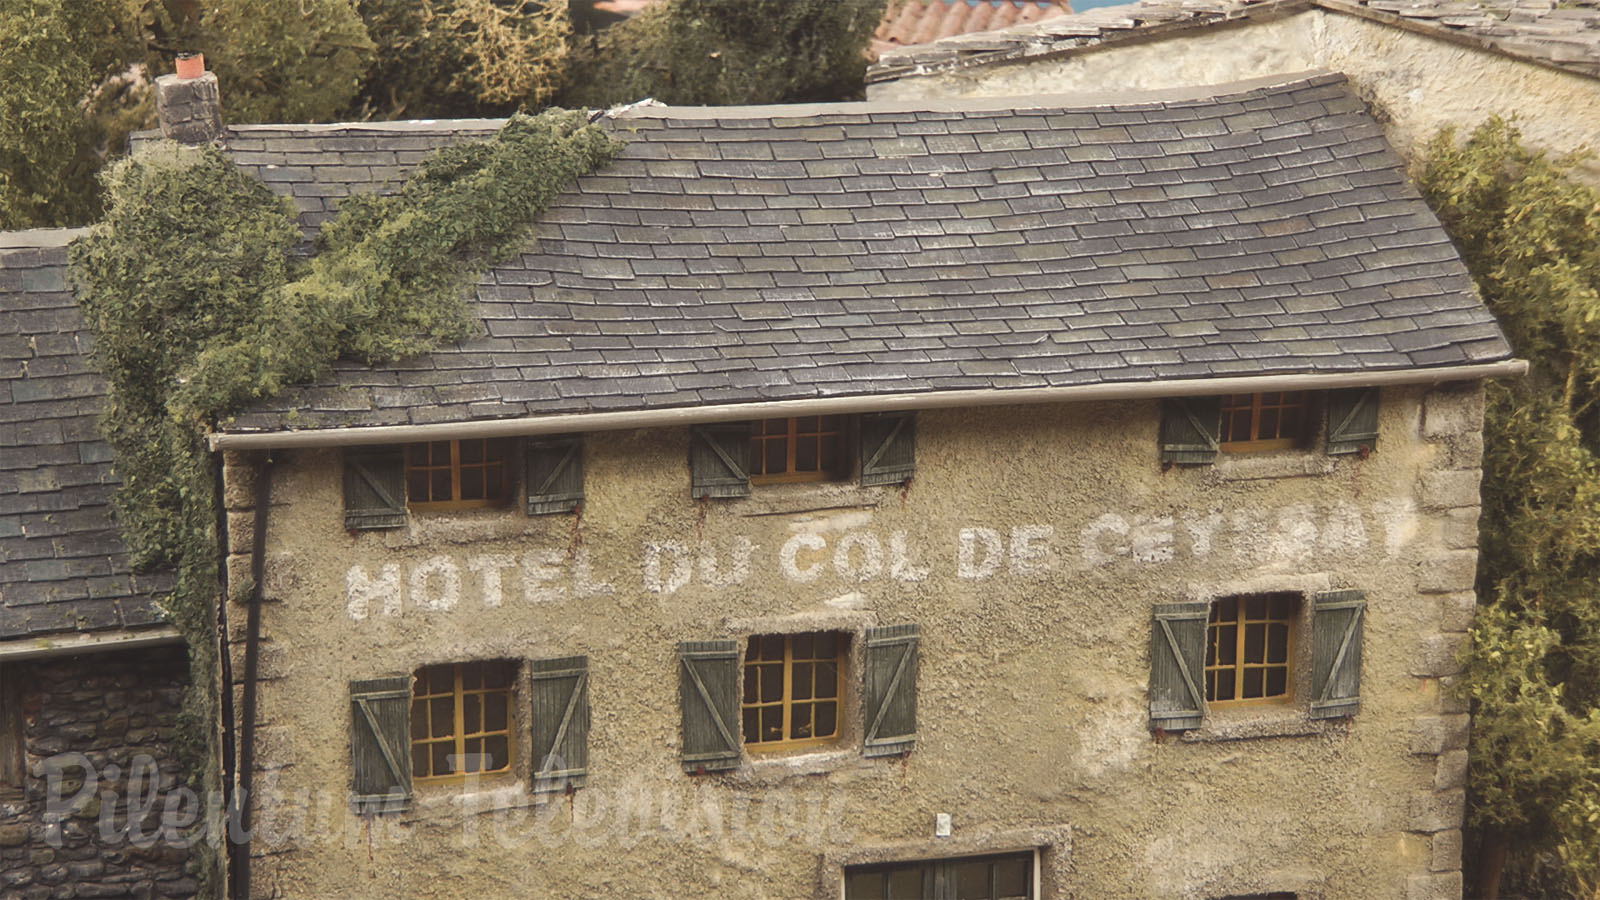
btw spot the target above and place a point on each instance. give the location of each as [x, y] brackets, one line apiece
[458, 474]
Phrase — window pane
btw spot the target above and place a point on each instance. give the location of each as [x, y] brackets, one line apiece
[497, 750]
[472, 484]
[806, 425]
[440, 487]
[441, 753]
[1255, 637]
[771, 682]
[1224, 689]
[472, 451]
[1225, 610]
[827, 679]
[1277, 643]
[906, 884]
[417, 484]
[800, 722]
[1012, 878]
[419, 719]
[1282, 607]
[802, 646]
[472, 760]
[777, 458]
[1255, 607]
[752, 678]
[498, 675]
[801, 685]
[805, 454]
[771, 723]
[752, 724]
[864, 886]
[419, 760]
[972, 880]
[827, 645]
[827, 715]
[494, 712]
[471, 720]
[772, 646]
[442, 713]
[1277, 682]
[1252, 684]
[1227, 645]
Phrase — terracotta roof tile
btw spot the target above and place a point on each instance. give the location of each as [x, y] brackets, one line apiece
[908, 22]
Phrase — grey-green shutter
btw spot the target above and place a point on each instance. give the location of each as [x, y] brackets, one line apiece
[890, 694]
[554, 482]
[1353, 420]
[380, 743]
[1191, 428]
[708, 687]
[375, 488]
[560, 723]
[1336, 624]
[1177, 665]
[888, 448]
[719, 460]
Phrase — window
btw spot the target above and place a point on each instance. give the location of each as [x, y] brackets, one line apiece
[1008, 877]
[461, 720]
[801, 448]
[1249, 641]
[13, 760]
[792, 689]
[1273, 420]
[458, 474]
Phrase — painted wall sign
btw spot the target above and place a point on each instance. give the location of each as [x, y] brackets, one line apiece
[1249, 538]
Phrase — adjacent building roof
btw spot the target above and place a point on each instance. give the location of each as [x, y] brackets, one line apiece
[920, 21]
[1564, 35]
[740, 255]
[63, 567]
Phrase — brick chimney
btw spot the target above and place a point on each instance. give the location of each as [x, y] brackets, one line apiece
[189, 109]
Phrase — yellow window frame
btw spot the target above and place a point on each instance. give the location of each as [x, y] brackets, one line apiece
[1238, 665]
[788, 701]
[1255, 403]
[791, 436]
[487, 463]
[459, 736]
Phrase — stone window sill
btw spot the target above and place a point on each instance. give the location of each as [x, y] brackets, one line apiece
[1231, 467]
[814, 496]
[1261, 722]
[771, 769]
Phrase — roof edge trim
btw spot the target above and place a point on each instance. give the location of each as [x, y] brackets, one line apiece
[87, 642]
[1084, 100]
[692, 415]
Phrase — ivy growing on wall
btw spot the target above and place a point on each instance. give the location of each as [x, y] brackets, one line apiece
[199, 305]
[1531, 235]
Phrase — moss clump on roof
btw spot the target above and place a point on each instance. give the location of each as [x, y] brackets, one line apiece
[198, 305]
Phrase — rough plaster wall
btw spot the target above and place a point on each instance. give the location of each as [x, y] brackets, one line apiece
[1419, 83]
[1034, 665]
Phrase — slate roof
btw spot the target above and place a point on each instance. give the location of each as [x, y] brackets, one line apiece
[773, 253]
[1564, 35]
[63, 567]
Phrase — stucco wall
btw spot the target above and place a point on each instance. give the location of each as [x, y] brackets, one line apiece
[1032, 695]
[1419, 83]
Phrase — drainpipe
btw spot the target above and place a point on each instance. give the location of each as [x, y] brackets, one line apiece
[244, 805]
[224, 655]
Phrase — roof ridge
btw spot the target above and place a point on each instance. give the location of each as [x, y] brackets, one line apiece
[41, 238]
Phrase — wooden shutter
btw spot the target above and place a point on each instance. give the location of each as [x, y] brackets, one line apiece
[719, 460]
[708, 686]
[380, 743]
[375, 488]
[1336, 624]
[554, 478]
[1353, 420]
[1190, 429]
[888, 448]
[1177, 665]
[890, 696]
[560, 722]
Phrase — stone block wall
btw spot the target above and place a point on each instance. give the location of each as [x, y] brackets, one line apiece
[104, 723]
[1452, 422]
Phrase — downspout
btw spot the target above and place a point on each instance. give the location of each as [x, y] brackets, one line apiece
[244, 805]
[224, 657]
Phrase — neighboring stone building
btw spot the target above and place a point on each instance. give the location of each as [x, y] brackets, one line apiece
[1029, 498]
[90, 675]
[1422, 64]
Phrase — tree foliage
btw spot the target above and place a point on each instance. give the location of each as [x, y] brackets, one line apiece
[464, 57]
[285, 62]
[1531, 236]
[717, 52]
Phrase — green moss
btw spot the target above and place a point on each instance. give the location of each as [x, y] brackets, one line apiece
[199, 306]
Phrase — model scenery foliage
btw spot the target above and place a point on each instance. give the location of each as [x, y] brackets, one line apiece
[1531, 235]
[79, 72]
[198, 304]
